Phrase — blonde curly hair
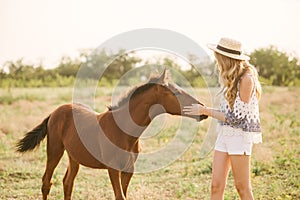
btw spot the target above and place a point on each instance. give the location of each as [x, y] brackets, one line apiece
[231, 70]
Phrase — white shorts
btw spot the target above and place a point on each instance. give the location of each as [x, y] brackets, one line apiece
[233, 144]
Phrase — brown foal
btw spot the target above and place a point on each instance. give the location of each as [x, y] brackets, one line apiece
[108, 140]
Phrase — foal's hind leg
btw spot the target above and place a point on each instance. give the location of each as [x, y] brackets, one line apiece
[55, 150]
[69, 178]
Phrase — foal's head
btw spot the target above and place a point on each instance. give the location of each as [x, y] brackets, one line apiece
[172, 98]
[166, 97]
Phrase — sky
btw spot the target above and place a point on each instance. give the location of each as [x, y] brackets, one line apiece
[46, 30]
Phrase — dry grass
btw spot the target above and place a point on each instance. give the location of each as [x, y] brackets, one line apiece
[275, 163]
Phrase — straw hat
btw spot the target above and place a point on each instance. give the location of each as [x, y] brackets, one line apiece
[230, 48]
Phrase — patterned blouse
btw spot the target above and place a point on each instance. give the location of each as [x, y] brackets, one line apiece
[242, 120]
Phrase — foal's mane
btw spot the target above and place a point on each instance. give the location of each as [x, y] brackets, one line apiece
[134, 92]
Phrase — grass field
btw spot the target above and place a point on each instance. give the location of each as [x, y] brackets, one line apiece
[275, 163]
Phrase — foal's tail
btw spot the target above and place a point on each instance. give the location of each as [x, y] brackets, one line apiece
[33, 138]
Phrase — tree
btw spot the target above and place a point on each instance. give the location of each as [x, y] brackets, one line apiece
[121, 63]
[68, 67]
[278, 67]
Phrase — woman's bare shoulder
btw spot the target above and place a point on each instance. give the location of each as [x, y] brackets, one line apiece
[246, 86]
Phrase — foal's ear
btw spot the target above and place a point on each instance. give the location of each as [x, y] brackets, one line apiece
[164, 78]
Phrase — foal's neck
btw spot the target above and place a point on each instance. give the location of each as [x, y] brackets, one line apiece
[134, 117]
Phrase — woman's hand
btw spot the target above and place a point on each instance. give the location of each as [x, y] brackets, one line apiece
[195, 109]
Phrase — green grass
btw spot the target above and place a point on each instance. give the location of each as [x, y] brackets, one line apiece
[275, 163]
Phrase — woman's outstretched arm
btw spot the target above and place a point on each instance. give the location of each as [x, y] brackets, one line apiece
[197, 109]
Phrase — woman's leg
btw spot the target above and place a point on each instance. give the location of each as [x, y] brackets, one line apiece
[220, 170]
[240, 165]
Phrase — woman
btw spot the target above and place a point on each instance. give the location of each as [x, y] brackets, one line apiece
[238, 115]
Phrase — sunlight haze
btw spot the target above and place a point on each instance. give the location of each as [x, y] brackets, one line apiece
[46, 30]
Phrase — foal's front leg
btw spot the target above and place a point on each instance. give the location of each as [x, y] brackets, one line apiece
[125, 179]
[115, 178]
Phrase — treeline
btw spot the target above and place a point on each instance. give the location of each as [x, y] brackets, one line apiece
[275, 68]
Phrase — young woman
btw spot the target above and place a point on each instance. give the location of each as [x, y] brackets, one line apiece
[238, 115]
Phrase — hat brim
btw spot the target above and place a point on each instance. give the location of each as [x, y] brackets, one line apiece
[230, 55]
